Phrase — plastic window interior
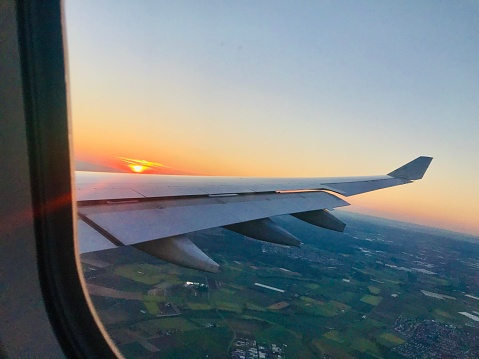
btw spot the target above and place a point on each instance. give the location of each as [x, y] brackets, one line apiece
[43, 81]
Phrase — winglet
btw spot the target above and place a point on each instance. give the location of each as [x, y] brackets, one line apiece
[413, 170]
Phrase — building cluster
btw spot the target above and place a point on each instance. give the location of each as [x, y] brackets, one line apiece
[246, 347]
[432, 339]
[198, 286]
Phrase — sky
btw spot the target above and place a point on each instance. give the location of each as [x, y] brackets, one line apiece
[287, 89]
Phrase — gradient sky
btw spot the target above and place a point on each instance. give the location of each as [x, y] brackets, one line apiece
[285, 88]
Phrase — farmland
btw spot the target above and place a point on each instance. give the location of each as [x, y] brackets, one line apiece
[338, 295]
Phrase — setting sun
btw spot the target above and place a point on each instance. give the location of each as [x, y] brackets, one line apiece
[137, 168]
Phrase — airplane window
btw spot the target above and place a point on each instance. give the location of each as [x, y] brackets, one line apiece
[206, 135]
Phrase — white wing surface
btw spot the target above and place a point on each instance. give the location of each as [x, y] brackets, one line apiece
[155, 213]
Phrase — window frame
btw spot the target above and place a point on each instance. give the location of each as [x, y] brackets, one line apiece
[44, 82]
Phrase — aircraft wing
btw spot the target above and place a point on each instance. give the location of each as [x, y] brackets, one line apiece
[154, 213]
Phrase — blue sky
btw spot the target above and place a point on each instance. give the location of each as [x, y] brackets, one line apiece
[287, 89]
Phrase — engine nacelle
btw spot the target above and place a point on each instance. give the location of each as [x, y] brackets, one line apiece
[321, 218]
[265, 230]
[181, 251]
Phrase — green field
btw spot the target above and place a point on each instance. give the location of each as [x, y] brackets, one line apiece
[392, 339]
[276, 334]
[133, 350]
[332, 348]
[199, 306]
[143, 273]
[229, 307]
[198, 344]
[374, 290]
[246, 324]
[339, 305]
[345, 297]
[443, 313]
[152, 308]
[334, 335]
[152, 326]
[316, 307]
[371, 324]
[311, 300]
[323, 310]
[225, 299]
[228, 291]
[237, 287]
[365, 346]
[371, 299]
[153, 298]
[251, 306]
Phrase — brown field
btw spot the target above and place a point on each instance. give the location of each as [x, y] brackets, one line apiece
[94, 289]
[279, 305]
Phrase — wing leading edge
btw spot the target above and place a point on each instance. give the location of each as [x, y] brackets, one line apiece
[154, 213]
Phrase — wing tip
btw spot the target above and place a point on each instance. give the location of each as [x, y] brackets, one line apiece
[413, 170]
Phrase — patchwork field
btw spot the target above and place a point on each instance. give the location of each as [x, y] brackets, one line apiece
[337, 300]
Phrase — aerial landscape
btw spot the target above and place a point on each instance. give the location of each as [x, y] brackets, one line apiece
[240, 180]
[282, 90]
[383, 289]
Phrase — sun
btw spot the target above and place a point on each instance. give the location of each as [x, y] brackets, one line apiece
[137, 168]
